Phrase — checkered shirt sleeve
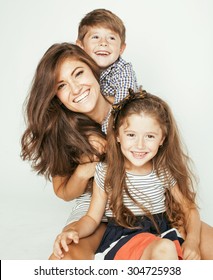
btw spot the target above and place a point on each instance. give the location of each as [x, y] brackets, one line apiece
[117, 79]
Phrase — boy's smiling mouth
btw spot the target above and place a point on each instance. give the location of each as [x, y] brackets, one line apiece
[104, 53]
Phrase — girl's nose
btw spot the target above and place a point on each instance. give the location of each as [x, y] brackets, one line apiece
[141, 143]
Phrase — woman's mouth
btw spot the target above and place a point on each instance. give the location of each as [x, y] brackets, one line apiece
[81, 97]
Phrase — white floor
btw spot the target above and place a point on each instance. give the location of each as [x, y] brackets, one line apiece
[30, 225]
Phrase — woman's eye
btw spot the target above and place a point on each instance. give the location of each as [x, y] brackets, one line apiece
[79, 73]
[60, 86]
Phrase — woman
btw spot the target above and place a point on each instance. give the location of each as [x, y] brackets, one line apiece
[63, 139]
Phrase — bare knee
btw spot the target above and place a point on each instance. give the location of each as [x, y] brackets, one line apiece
[164, 249]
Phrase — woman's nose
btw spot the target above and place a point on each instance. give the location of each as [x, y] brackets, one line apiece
[75, 87]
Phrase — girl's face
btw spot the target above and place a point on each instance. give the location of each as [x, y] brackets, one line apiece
[140, 137]
[76, 86]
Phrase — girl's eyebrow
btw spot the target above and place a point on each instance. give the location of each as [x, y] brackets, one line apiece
[75, 69]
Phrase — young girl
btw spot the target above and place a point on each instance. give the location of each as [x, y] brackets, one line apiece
[146, 186]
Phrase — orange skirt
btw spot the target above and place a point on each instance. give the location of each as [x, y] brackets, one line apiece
[135, 247]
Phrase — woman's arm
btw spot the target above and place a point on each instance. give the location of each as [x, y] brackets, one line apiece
[85, 226]
[192, 227]
[77, 183]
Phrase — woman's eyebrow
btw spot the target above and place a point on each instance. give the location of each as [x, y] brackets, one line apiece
[79, 67]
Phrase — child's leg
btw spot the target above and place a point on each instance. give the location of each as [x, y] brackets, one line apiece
[160, 249]
[86, 248]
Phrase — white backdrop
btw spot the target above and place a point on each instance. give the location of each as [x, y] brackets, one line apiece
[170, 45]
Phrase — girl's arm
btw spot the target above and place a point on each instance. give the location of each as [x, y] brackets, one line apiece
[85, 226]
[192, 227]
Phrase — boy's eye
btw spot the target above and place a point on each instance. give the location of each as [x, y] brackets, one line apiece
[112, 38]
[95, 37]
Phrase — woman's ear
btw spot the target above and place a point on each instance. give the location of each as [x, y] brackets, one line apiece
[118, 139]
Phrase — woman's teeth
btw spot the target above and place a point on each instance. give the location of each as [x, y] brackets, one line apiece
[81, 97]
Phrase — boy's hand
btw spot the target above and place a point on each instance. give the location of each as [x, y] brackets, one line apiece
[190, 250]
[62, 240]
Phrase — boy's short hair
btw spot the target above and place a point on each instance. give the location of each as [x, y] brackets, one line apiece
[102, 18]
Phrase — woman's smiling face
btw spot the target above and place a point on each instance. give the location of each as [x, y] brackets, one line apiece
[76, 86]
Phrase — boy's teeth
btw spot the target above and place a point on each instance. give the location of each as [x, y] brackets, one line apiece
[102, 53]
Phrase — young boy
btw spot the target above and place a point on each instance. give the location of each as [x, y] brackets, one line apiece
[102, 35]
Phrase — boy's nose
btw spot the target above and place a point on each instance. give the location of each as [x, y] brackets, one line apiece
[103, 42]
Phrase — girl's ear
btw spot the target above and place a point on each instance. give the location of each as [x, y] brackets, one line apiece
[161, 142]
[118, 139]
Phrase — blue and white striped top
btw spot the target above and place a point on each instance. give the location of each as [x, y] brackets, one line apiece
[147, 190]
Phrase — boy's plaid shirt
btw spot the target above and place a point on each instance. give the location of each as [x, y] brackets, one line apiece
[117, 79]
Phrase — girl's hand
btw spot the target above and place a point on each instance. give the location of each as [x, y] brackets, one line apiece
[190, 250]
[62, 241]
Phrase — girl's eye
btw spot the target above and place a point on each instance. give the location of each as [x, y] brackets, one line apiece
[131, 135]
[150, 136]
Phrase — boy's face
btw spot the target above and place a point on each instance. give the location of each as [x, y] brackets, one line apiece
[103, 45]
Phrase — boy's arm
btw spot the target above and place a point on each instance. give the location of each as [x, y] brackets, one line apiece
[125, 80]
[85, 226]
[192, 227]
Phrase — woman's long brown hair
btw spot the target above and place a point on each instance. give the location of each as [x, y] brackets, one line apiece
[170, 156]
[55, 137]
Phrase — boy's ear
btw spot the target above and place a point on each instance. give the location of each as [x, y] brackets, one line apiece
[79, 43]
[122, 48]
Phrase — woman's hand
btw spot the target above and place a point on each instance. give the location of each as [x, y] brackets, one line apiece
[191, 250]
[98, 143]
[63, 240]
[86, 170]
